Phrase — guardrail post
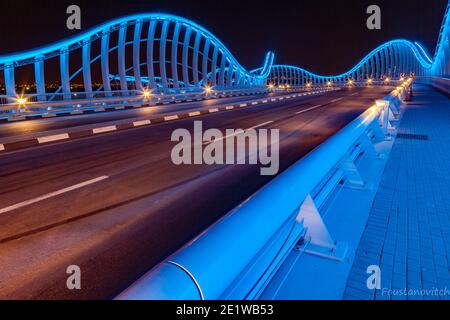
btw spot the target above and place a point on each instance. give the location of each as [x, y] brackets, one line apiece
[351, 173]
[317, 240]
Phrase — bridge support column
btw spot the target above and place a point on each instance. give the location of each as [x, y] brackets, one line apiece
[121, 58]
[65, 76]
[162, 55]
[105, 63]
[39, 76]
[150, 66]
[10, 82]
[137, 55]
[87, 80]
[184, 63]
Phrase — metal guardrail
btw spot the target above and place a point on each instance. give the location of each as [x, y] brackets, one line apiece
[238, 255]
[35, 103]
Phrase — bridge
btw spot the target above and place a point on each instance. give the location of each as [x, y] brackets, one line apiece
[87, 177]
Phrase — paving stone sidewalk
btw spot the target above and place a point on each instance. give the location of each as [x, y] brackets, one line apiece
[408, 231]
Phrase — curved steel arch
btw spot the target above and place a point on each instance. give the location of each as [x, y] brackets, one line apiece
[391, 59]
[180, 55]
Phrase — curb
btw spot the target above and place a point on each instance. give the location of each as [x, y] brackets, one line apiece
[45, 140]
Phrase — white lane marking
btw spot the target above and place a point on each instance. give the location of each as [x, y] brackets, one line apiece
[170, 118]
[255, 103]
[243, 105]
[141, 123]
[52, 138]
[2, 147]
[52, 194]
[194, 114]
[104, 129]
[309, 109]
[229, 107]
[265, 101]
[213, 110]
[261, 125]
[336, 100]
[353, 94]
[238, 132]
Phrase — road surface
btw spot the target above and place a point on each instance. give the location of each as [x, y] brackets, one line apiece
[115, 205]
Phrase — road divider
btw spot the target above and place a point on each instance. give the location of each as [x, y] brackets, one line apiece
[56, 137]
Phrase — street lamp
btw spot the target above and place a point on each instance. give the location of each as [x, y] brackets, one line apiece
[147, 94]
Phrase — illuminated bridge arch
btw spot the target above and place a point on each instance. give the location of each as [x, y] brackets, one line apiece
[391, 60]
[163, 52]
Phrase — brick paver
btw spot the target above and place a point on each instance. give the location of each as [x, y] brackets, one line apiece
[408, 230]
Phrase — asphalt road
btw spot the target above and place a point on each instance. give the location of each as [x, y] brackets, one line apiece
[116, 205]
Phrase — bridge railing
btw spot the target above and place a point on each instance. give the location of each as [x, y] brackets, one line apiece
[238, 255]
[31, 103]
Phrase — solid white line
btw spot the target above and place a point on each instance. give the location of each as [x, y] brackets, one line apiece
[336, 100]
[194, 114]
[238, 132]
[52, 194]
[309, 109]
[141, 123]
[104, 129]
[261, 125]
[213, 110]
[55, 137]
[170, 118]
[353, 94]
[2, 147]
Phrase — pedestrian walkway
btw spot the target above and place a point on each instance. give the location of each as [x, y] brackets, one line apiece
[408, 231]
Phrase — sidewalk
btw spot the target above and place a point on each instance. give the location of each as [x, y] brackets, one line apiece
[408, 230]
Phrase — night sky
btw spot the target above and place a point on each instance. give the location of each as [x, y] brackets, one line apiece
[323, 36]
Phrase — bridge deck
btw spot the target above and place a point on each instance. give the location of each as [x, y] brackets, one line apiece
[408, 230]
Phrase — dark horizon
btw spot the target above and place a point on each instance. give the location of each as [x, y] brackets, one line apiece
[301, 33]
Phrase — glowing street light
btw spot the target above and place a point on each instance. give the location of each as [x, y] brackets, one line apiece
[308, 84]
[369, 81]
[350, 82]
[387, 79]
[270, 86]
[147, 94]
[208, 89]
[329, 83]
[21, 101]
